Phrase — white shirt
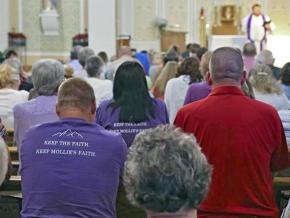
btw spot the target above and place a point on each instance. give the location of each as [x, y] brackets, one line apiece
[285, 118]
[8, 99]
[174, 95]
[257, 31]
[103, 89]
[280, 102]
[81, 74]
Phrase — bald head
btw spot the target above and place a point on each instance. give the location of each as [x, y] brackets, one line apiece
[125, 50]
[226, 65]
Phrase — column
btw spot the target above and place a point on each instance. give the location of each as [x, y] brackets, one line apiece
[102, 26]
[4, 26]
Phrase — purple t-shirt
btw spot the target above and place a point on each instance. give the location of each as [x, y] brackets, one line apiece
[197, 91]
[109, 119]
[71, 168]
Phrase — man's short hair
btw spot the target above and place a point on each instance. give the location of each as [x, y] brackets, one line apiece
[285, 74]
[103, 55]
[166, 171]
[249, 49]
[3, 160]
[256, 5]
[94, 66]
[75, 52]
[226, 63]
[170, 56]
[11, 53]
[194, 48]
[75, 93]
[84, 54]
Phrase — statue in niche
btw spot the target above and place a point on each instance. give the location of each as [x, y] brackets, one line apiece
[49, 17]
[228, 13]
[225, 18]
[50, 5]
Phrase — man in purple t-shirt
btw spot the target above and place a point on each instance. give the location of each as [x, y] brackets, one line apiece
[71, 167]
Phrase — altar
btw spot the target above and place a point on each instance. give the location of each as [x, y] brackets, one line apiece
[217, 41]
[279, 45]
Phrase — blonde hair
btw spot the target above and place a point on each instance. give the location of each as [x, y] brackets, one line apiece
[167, 73]
[263, 81]
[69, 71]
[6, 73]
[204, 63]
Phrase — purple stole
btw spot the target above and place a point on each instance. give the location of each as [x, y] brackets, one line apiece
[249, 31]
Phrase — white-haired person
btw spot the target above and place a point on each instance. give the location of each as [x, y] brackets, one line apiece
[83, 56]
[47, 75]
[74, 61]
[267, 89]
[9, 94]
[166, 173]
[266, 57]
[25, 78]
[103, 89]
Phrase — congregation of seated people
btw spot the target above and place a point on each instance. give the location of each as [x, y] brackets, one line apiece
[179, 134]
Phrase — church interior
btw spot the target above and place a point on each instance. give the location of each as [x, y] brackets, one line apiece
[35, 30]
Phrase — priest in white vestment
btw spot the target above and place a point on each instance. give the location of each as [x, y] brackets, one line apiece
[257, 26]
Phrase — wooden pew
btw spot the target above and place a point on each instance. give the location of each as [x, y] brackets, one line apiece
[10, 137]
[13, 151]
[282, 181]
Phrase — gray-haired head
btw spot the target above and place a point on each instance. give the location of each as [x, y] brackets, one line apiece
[15, 63]
[265, 57]
[166, 171]
[3, 160]
[226, 64]
[47, 75]
[94, 66]
[84, 54]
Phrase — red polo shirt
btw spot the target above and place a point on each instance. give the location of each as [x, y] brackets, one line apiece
[244, 141]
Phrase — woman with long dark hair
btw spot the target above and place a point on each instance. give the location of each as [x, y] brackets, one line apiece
[132, 109]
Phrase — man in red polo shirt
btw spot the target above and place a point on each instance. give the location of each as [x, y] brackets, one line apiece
[242, 138]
